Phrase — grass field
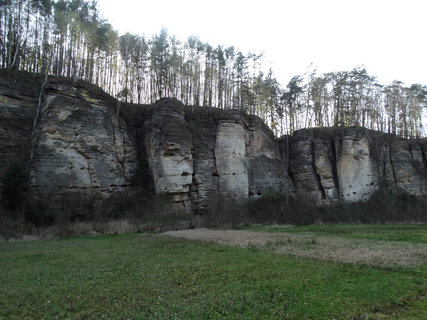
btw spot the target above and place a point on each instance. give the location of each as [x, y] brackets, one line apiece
[149, 276]
[416, 233]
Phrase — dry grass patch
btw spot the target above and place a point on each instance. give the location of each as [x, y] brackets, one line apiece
[353, 251]
[80, 228]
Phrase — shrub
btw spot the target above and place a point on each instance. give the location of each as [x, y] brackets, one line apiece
[225, 214]
[15, 186]
[386, 205]
[39, 212]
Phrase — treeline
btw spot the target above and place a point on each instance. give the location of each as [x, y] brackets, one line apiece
[353, 98]
[69, 38]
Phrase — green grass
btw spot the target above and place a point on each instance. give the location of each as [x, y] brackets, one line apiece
[416, 233]
[158, 277]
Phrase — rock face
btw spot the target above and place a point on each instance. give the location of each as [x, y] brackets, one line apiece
[356, 171]
[80, 145]
[408, 165]
[350, 164]
[206, 156]
[169, 143]
[198, 157]
[231, 161]
[266, 171]
[17, 114]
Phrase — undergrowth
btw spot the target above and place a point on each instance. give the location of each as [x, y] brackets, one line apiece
[22, 213]
[383, 206]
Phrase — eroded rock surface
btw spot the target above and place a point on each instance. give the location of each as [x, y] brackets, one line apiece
[231, 161]
[357, 174]
[350, 164]
[79, 146]
[233, 157]
[198, 157]
[169, 144]
[17, 114]
[266, 170]
[204, 191]
[303, 167]
[202, 159]
[408, 166]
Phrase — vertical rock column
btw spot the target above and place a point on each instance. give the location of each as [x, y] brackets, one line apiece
[303, 167]
[325, 163]
[16, 120]
[266, 171]
[204, 190]
[231, 161]
[169, 143]
[357, 173]
[407, 160]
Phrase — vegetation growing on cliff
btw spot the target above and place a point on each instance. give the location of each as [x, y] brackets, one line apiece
[68, 38]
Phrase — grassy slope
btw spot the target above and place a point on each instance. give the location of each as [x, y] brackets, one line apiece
[157, 277]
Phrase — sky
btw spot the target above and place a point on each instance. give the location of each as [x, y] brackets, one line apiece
[387, 37]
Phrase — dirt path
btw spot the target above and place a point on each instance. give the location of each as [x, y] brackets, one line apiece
[354, 251]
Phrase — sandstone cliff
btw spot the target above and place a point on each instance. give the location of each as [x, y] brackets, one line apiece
[197, 156]
[350, 164]
[77, 144]
[206, 155]
[18, 103]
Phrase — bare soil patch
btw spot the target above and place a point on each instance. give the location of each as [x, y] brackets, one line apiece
[354, 251]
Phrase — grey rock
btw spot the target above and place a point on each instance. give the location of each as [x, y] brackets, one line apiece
[80, 147]
[356, 168]
[408, 168]
[231, 161]
[204, 191]
[197, 157]
[303, 167]
[169, 143]
[266, 171]
[16, 121]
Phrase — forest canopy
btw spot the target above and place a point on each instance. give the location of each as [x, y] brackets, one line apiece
[69, 38]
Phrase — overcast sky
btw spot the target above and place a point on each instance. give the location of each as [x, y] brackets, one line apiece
[389, 38]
